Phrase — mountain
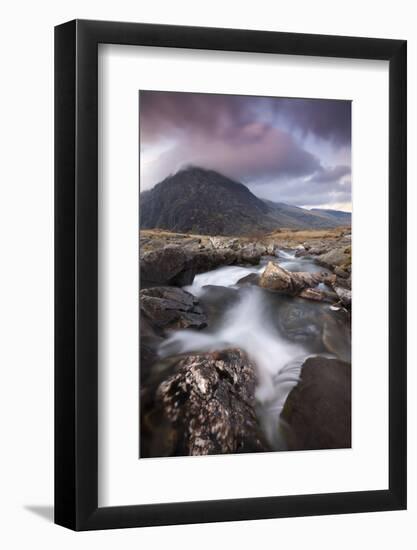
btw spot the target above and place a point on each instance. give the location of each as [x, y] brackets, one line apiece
[343, 218]
[295, 217]
[195, 200]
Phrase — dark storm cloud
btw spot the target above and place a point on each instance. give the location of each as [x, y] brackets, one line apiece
[330, 175]
[258, 141]
[217, 113]
[328, 120]
[175, 112]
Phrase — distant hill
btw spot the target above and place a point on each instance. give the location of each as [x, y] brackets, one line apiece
[295, 217]
[344, 218]
[202, 201]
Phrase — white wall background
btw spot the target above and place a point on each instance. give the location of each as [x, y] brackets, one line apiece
[26, 274]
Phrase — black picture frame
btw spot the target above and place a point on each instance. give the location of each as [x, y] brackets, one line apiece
[76, 271]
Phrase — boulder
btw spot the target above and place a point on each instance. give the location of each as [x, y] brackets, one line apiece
[252, 253]
[307, 250]
[251, 279]
[316, 295]
[270, 249]
[344, 295]
[317, 411]
[277, 278]
[177, 265]
[222, 243]
[299, 321]
[209, 402]
[165, 266]
[334, 258]
[340, 272]
[171, 308]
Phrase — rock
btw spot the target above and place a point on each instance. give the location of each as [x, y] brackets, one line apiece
[171, 308]
[318, 410]
[251, 279]
[309, 251]
[166, 265]
[345, 283]
[299, 321]
[252, 253]
[216, 299]
[277, 278]
[222, 243]
[270, 249]
[335, 257]
[315, 294]
[177, 265]
[210, 403]
[341, 272]
[330, 280]
[161, 309]
[344, 295]
[337, 335]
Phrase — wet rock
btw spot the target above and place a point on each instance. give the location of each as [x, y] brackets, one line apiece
[337, 335]
[177, 265]
[315, 295]
[251, 279]
[317, 411]
[277, 278]
[341, 272]
[300, 321]
[336, 257]
[330, 280]
[215, 299]
[252, 253]
[344, 295]
[309, 251]
[270, 249]
[210, 404]
[165, 266]
[171, 308]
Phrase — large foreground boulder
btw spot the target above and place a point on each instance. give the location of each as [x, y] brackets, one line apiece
[317, 411]
[277, 278]
[209, 402]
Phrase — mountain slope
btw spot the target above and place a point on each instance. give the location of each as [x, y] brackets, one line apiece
[344, 218]
[295, 217]
[202, 201]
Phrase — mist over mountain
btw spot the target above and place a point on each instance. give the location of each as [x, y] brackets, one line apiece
[196, 200]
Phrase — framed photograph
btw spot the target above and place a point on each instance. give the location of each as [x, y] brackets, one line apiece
[230, 252]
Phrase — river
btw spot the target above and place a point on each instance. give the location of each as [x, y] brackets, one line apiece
[277, 332]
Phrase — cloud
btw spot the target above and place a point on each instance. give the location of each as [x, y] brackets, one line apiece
[254, 153]
[258, 141]
[330, 175]
[328, 120]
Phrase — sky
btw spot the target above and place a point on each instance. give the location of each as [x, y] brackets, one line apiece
[296, 151]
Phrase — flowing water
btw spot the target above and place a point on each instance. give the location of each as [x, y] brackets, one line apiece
[277, 332]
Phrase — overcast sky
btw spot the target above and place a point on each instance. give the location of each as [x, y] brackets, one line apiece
[296, 151]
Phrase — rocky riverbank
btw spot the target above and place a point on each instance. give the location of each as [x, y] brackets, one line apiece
[204, 396]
